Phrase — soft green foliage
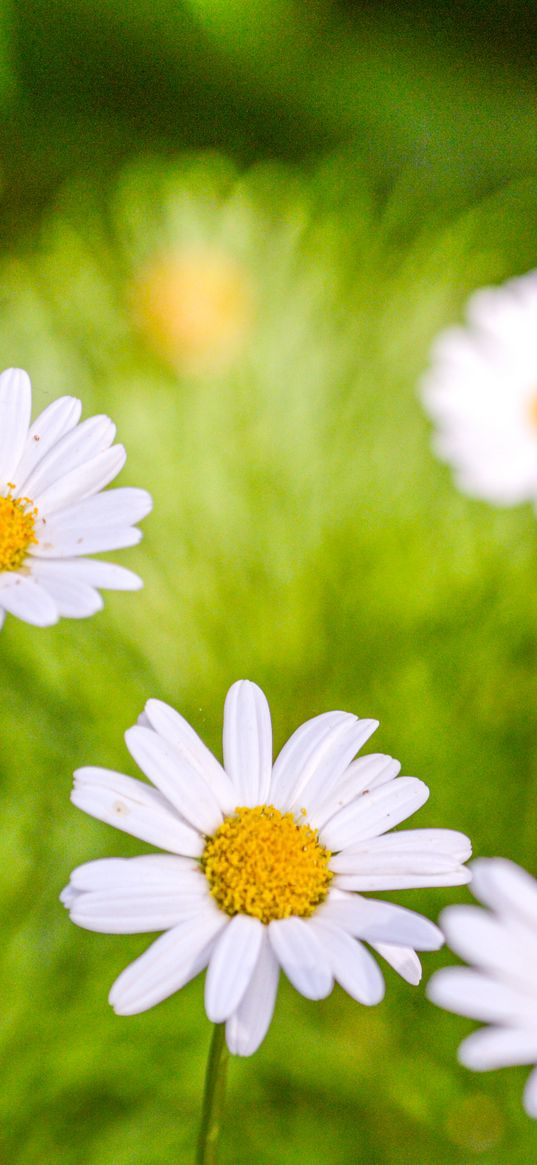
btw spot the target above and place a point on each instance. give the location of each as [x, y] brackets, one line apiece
[303, 536]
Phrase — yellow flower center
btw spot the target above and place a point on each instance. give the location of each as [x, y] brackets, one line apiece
[17, 530]
[194, 308]
[263, 863]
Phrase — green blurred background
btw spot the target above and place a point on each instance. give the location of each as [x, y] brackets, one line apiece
[236, 228]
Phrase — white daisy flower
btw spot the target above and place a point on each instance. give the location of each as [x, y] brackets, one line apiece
[52, 510]
[500, 988]
[264, 863]
[481, 390]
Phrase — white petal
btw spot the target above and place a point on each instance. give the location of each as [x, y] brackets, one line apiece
[72, 599]
[403, 960]
[374, 813]
[530, 1095]
[164, 870]
[248, 1026]
[81, 482]
[375, 921]
[15, 412]
[231, 966]
[89, 571]
[171, 961]
[114, 508]
[26, 599]
[313, 760]
[126, 911]
[179, 733]
[364, 774]
[471, 993]
[351, 964]
[176, 778]
[248, 742]
[2, 617]
[506, 888]
[491, 943]
[301, 956]
[54, 543]
[69, 452]
[57, 419]
[494, 1047]
[135, 808]
[300, 750]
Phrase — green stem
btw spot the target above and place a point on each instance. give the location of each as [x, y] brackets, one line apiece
[213, 1100]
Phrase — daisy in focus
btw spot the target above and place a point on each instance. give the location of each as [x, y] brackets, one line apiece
[53, 511]
[266, 865]
[481, 392]
[499, 987]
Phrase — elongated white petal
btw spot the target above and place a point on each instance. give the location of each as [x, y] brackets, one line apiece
[505, 887]
[25, 598]
[405, 880]
[490, 943]
[231, 966]
[324, 772]
[15, 411]
[530, 1095]
[472, 993]
[114, 508]
[498, 1047]
[299, 752]
[72, 599]
[248, 742]
[134, 808]
[90, 571]
[404, 960]
[171, 961]
[179, 734]
[351, 964]
[54, 543]
[374, 813]
[247, 1027]
[81, 482]
[158, 870]
[71, 451]
[375, 921]
[302, 957]
[57, 419]
[126, 912]
[364, 774]
[176, 778]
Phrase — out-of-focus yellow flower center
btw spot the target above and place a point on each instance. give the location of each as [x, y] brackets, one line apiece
[532, 410]
[17, 530]
[264, 863]
[195, 309]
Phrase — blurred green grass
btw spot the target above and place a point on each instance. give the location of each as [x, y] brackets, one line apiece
[303, 534]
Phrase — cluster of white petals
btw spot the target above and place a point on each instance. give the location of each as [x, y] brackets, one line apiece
[481, 392]
[352, 804]
[500, 987]
[52, 510]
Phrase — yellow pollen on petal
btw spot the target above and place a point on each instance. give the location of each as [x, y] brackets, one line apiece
[17, 530]
[261, 862]
[194, 308]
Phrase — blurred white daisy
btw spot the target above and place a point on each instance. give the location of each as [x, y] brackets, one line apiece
[481, 391]
[500, 988]
[52, 510]
[264, 863]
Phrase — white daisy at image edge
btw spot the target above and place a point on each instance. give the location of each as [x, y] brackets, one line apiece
[500, 988]
[481, 392]
[266, 865]
[52, 510]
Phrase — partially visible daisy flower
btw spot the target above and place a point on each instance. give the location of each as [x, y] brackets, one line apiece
[481, 391]
[266, 865]
[500, 986]
[53, 511]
